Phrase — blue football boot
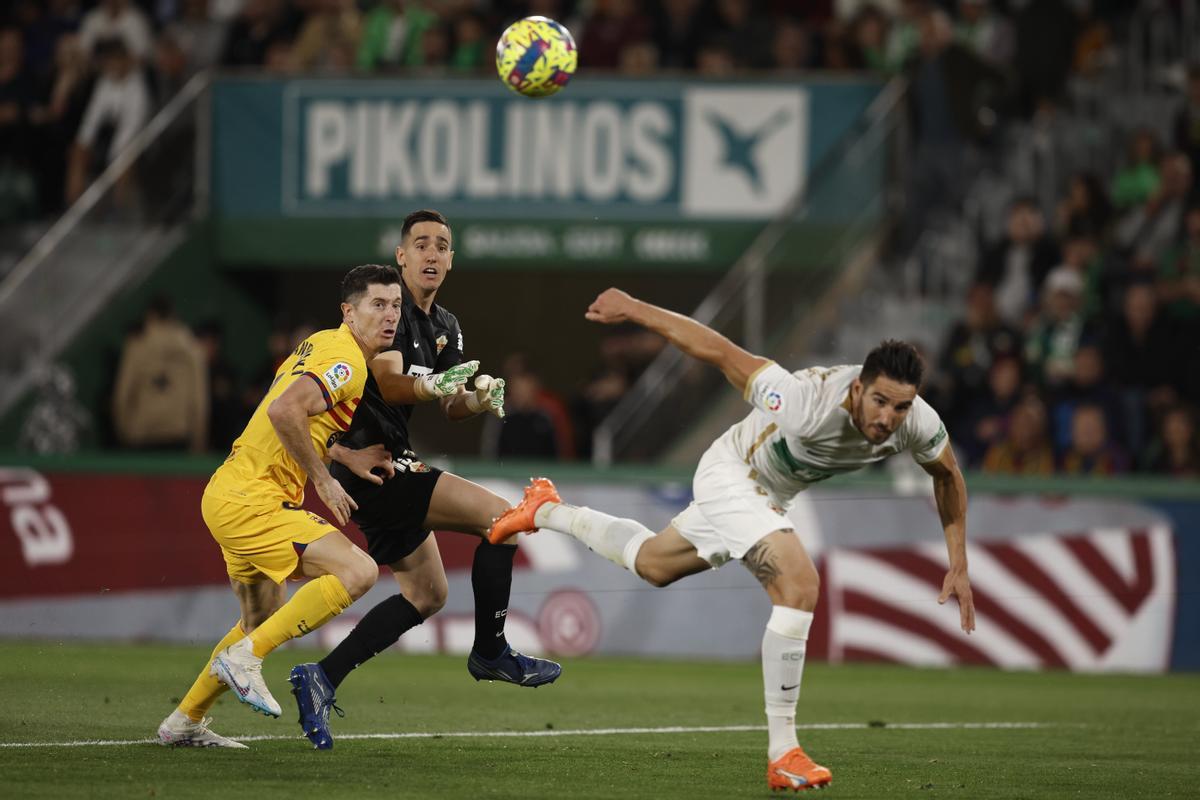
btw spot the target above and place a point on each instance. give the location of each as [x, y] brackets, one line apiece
[314, 698]
[513, 667]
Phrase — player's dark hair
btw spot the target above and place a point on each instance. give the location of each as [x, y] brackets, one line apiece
[896, 360]
[358, 279]
[423, 215]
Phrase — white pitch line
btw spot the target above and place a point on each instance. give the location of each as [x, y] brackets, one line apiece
[815, 726]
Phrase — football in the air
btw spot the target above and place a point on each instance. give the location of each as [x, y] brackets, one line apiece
[536, 56]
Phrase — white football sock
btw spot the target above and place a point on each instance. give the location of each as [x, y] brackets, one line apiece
[615, 538]
[783, 647]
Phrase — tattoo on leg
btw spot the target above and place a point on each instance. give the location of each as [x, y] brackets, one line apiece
[761, 562]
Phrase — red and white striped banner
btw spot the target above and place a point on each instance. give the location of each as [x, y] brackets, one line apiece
[1097, 600]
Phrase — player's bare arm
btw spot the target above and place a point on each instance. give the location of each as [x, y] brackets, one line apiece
[696, 339]
[372, 463]
[950, 494]
[289, 415]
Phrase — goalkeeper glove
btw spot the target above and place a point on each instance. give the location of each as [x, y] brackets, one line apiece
[488, 395]
[441, 384]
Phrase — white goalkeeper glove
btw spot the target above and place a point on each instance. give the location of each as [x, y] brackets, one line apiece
[488, 395]
[442, 384]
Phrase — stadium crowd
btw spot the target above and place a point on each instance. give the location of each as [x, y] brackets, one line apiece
[79, 77]
[1071, 355]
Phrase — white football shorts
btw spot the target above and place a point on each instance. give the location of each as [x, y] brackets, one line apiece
[731, 512]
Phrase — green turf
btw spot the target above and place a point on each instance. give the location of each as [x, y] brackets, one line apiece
[1113, 736]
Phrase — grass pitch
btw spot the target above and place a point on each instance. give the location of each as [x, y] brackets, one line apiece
[1098, 736]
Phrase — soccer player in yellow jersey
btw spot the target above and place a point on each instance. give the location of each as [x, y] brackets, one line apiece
[252, 506]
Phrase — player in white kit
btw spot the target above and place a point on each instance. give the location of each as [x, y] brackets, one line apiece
[805, 427]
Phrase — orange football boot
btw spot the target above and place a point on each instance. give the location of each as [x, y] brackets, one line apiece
[520, 517]
[795, 770]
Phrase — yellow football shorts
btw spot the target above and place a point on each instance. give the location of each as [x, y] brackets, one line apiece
[261, 540]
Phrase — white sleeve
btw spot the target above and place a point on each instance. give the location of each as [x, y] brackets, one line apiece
[927, 436]
[786, 398]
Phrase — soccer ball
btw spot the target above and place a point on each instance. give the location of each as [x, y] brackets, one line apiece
[536, 56]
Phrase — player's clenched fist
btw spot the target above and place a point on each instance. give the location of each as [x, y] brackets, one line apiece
[611, 307]
[488, 395]
[442, 384]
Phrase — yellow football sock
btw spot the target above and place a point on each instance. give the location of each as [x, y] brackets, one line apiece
[207, 689]
[314, 604]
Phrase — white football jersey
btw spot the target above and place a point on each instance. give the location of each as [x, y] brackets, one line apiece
[800, 431]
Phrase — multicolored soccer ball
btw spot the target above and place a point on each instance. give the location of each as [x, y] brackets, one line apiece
[536, 56]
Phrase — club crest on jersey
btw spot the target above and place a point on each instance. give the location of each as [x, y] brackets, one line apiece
[338, 375]
[441, 342]
[773, 401]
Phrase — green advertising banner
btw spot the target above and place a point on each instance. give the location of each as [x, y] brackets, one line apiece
[607, 172]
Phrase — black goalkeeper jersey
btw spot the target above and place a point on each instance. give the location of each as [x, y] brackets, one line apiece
[429, 343]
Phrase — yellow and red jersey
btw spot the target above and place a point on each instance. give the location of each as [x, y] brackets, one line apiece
[259, 470]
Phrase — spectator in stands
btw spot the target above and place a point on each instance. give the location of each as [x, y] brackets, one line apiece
[1140, 350]
[548, 401]
[227, 415]
[868, 38]
[1087, 386]
[1148, 231]
[612, 26]
[527, 430]
[200, 37]
[161, 397]
[987, 419]
[743, 32]
[43, 22]
[1025, 450]
[1179, 278]
[988, 34]
[974, 343]
[639, 59]
[1081, 255]
[119, 106]
[471, 44]
[1092, 452]
[677, 32]
[1056, 332]
[1085, 207]
[1045, 32]
[790, 49]
[1187, 120]
[950, 91]
[329, 38]
[121, 20]
[1176, 449]
[55, 117]
[261, 26]
[1138, 179]
[1018, 266]
[715, 58]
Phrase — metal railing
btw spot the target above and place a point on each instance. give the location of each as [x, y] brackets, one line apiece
[120, 227]
[779, 279]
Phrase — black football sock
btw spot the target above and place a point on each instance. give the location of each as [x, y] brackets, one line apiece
[491, 580]
[375, 632]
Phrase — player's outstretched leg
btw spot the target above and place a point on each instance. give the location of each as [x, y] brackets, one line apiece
[513, 667]
[314, 698]
[521, 516]
[795, 770]
[178, 730]
[241, 670]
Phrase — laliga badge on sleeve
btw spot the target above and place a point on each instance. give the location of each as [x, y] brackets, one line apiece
[338, 375]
